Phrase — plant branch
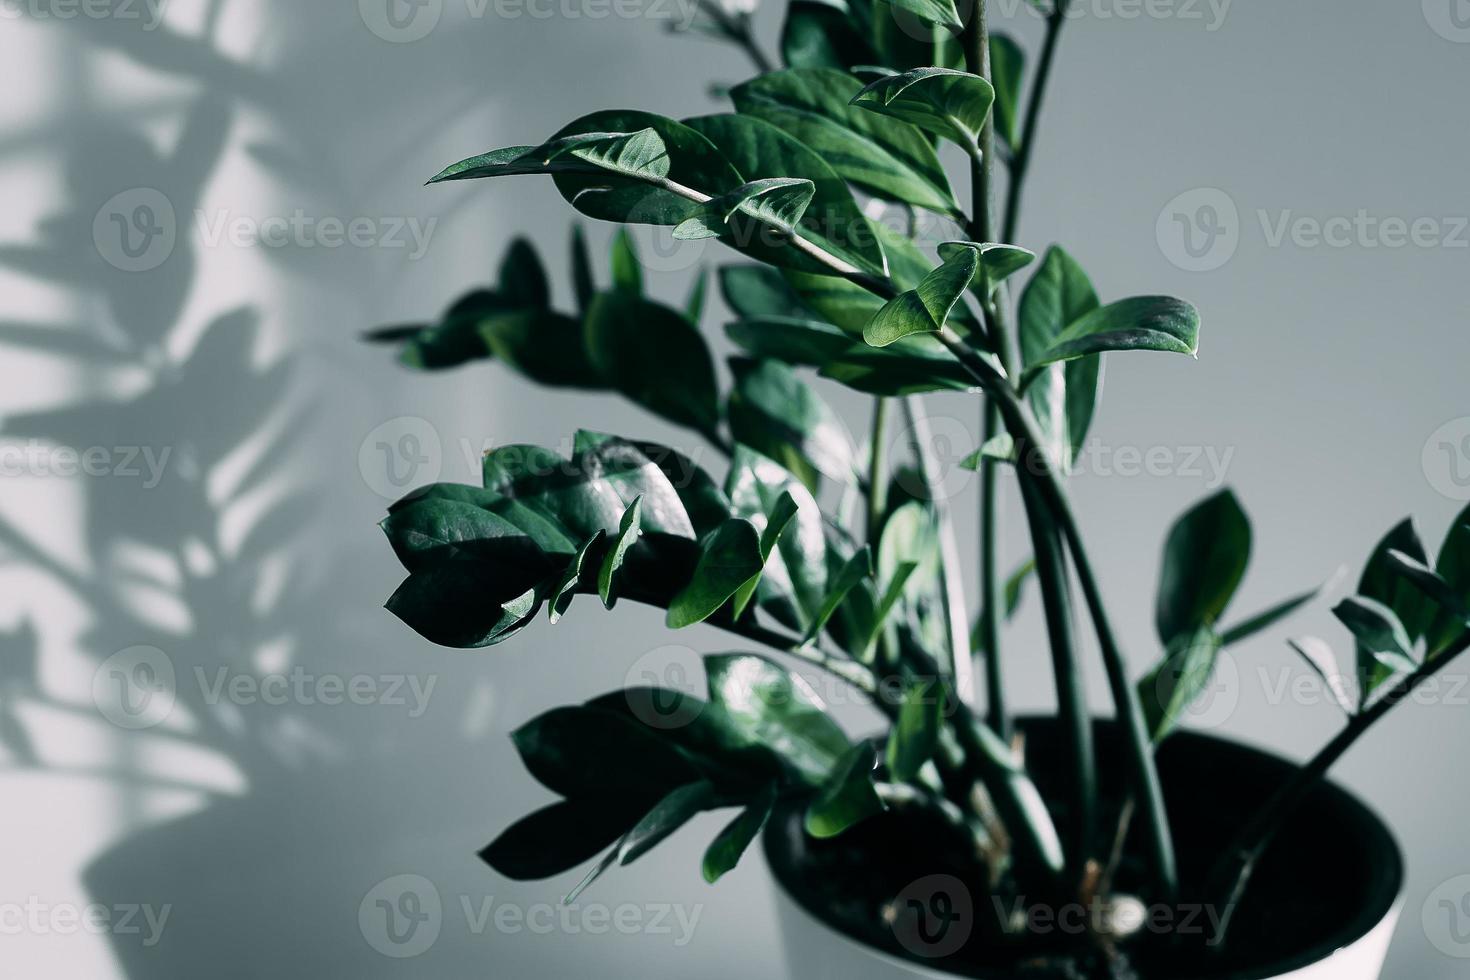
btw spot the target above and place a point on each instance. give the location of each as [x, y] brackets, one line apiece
[957, 625]
[1021, 162]
[736, 29]
[850, 671]
[1232, 873]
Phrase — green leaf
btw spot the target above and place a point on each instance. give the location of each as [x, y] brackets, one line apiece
[522, 277]
[790, 339]
[776, 522]
[798, 568]
[628, 532]
[1319, 656]
[775, 412]
[694, 304]
[890, 159]
[757, 291]
[1444, 596]
[584, 284]
[858, 568]
[941, 13]
[1167, 693]
[631, 154]
[1013, 591]
[777, 202]
[704, 502]
[465, 604]
[910, 535]
[1453, 565]
[915, 735]
[728, 559]
[927, 307]
[572, 498]
[1266, 618]
[557, 838]
[576, 577]
[1007, 71]
[818, 34]
[773, 707]
[998, 261]
[432, 530]
[627, 271]
[1063, 396]
[629, 469]
[949, 104]
[668, 815]
[724, 853]
[1382, 581]
[655, 357]
[590, 753]
[1380, 636]
[849, 797]
[833, 221]
[897, 583]
[543, 345]
[1205, 557]
[1157, 323]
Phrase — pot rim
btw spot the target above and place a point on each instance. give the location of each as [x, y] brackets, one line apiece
[1386, 888]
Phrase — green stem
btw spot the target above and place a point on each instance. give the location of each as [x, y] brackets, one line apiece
[1056, 594]
[993, 597]
[1021, 161]
[878, 470]
[1232, 873]
[957, 626]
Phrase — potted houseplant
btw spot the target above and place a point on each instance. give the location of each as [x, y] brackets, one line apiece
[961, 840]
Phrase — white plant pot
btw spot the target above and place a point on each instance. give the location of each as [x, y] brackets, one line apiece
[1309, 914]
[816, 951]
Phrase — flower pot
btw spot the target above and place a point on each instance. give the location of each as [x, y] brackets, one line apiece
[888, 900]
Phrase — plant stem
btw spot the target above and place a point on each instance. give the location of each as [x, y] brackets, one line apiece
[992, 593]
[850, 671]
[956, 621]
[1021, 161]
[1232, 873]
[736, 28]
[878, 470]
[1051, 573]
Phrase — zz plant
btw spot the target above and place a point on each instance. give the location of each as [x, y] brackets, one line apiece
[809, 551]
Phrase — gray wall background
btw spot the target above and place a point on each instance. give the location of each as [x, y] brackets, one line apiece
[1330, 387]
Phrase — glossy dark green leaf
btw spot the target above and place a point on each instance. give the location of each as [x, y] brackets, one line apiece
[668, 815]
[630, 471]
[790, 339]
[950, 104]
[773, 707]
[941, 13]
[776, 413]
[574, 499]
[1172, 687]
[728, 559]
[724, 853]
[799, 566]
[1205, 557]
[557, 838]
[888, 158]
[833, 220]
[694, 303]
[1453, 566]
[1378, 631]
[1266, 618]
[584, 284]
[1007, 72]
[822, 35]
[998, 261]
[777, 202]
[758, 291]
[637, 153]
[466, 604]
[576, 577]
[584, 752]
[910, 535]
[1156, 323]
[655, 357]
[432, 530]
[1381, 579]
[848, 798]
[704, 502]
[857, 569]
[627, 271]
[1320, 657]
[928, 306]
[628, 532]
[1063, 396]
[452, 341]
[522, 277]
[915, 735]
[544, 345]
[777, 521]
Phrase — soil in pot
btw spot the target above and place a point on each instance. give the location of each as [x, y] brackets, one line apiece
[892, 883]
